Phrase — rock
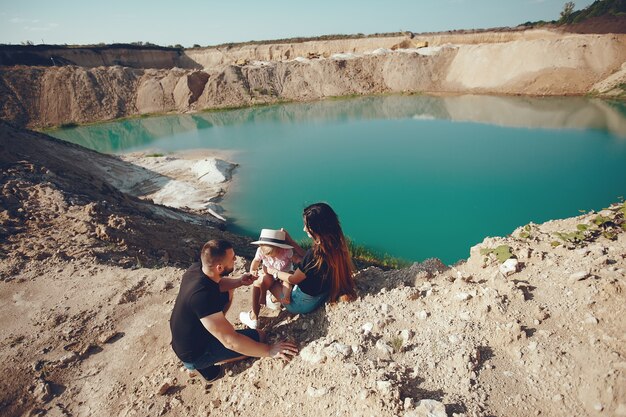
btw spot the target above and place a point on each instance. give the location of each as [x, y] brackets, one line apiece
[579, 276]
[408, 403]
[384, 387]
[166, 385]
[42, 391]
[406, 335]
[312, 353]
[590, 319]
[106, 336]
[465, 316]
[316, 392]
[463, 296]
[367, 328]
[508, 267]
[428, 408]
[422, 315]
[384, 347]
[337, 349]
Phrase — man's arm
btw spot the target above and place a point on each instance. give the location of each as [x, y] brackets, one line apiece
[227, 284]
[221, 328]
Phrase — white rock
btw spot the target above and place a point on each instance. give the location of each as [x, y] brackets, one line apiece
[408, 403]
[422, 315]
[383, 347]
[367, 328]
[316, 392]
[465, 315]
[463, 296]
[428, 408]
[312, 353]
[509, 267]
[578, 276]
[406, 335]
[338, 349]
[590, 319]
[384, 387]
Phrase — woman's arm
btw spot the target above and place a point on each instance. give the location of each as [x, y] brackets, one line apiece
[296, 248]
[289, 277]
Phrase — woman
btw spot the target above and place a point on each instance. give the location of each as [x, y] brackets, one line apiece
[326, 269]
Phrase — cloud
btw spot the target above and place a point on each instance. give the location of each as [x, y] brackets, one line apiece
[42, 28]
[20, 20]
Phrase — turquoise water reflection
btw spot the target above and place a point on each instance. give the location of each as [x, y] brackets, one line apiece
[413, 176]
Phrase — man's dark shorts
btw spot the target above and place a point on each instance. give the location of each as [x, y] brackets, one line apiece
[216, 352]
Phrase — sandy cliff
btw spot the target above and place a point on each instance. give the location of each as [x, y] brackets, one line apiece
[527, 63]
[89, 274]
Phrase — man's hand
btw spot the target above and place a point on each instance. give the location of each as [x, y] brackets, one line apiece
[283, 350]
[247, 279]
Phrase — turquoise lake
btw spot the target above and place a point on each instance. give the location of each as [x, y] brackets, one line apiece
[412, 176]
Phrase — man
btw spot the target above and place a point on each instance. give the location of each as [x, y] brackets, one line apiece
[201, 336]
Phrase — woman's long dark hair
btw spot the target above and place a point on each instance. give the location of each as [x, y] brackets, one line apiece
[330, 248]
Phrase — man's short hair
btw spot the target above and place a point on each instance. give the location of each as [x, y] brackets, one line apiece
[214, 251]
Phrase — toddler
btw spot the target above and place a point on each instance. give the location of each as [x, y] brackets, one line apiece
[275, 253]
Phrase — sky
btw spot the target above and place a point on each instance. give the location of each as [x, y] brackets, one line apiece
[208, 22]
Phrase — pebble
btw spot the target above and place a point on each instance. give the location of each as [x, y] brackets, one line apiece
[422, 315]
[465, 315]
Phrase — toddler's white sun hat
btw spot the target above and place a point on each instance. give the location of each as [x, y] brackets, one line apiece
[272, 238]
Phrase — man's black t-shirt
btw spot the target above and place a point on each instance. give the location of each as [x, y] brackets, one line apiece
[199, 296]
[317, 281]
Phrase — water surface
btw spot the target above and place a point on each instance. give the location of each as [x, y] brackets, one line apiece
[412, 176]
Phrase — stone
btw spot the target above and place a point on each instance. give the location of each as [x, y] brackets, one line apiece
[428, 408]
[165, 386]
[42, 391]
[367, 328]
[408, 403]
[384, 387]
[590, 319]
[406, 335]
[579, 276]
[384, 347]
[312, 354]
[508, 267]
[316, 392]
[422, 315]
[465, 316]
[463, 296]
[337, 349]
[107, 336]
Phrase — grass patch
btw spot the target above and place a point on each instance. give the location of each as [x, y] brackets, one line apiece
[502, 252]
[367, 257]
[154, 155]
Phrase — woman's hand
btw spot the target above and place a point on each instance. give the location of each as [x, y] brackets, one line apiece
[283, 350]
